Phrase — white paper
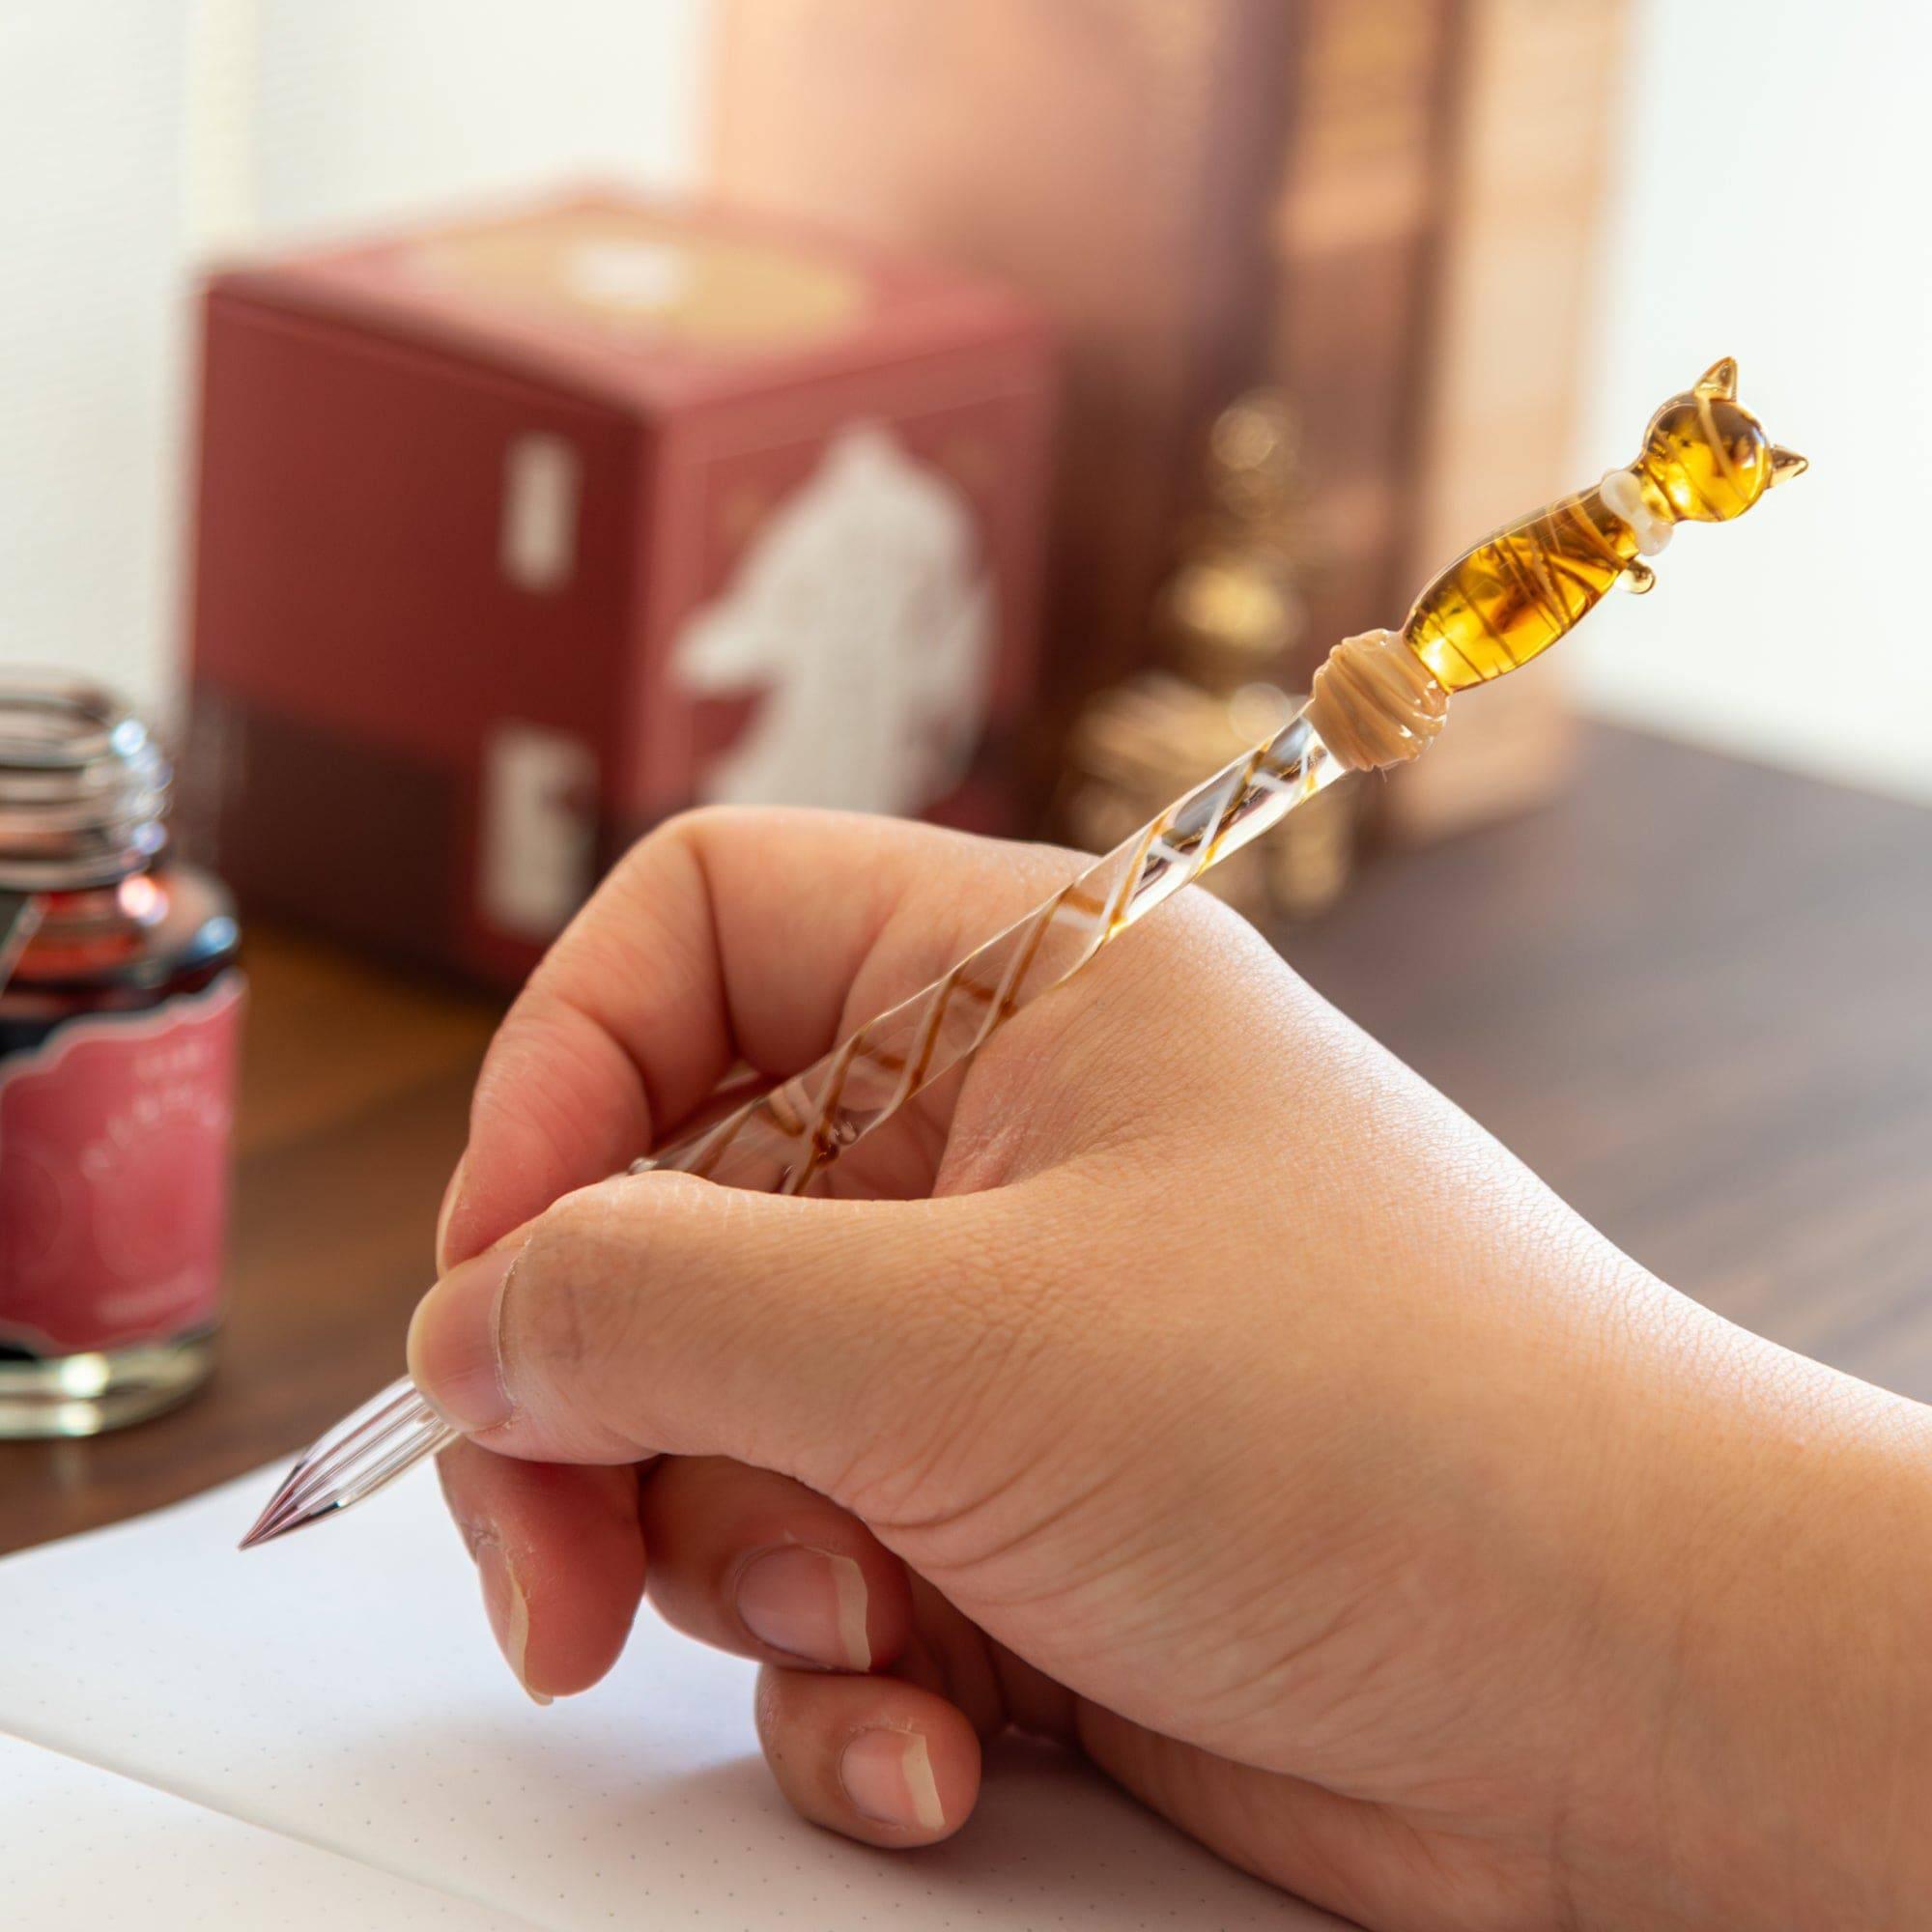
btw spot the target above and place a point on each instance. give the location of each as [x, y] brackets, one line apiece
[88, 1848]
[339, 1689]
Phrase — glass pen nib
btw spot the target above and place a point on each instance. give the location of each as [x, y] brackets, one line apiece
[390, 1433]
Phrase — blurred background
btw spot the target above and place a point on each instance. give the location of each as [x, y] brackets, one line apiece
[1606, 195]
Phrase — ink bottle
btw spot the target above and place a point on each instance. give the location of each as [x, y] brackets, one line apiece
[118, 1027]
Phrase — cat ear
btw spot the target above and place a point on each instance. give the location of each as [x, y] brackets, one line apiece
[1719, 380]
[1785, 464]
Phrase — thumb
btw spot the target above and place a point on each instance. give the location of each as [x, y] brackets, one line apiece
[659, 1313]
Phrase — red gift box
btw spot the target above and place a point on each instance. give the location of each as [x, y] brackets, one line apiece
[515, 536]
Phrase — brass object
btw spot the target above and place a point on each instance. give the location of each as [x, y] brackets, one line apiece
[1224, 621]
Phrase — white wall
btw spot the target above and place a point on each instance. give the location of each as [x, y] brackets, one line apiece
[136, 136]
[368, 109]
[92, 100]
[1775, 207]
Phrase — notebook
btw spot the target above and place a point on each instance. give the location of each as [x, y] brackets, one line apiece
[319, 1733]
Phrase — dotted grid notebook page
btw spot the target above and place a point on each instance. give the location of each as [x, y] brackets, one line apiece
[87, 1846]
[338, 1692]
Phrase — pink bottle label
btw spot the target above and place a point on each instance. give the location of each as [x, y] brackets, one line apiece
[114, 1139]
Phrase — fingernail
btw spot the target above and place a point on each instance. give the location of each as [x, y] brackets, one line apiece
[453, 1354]
[451, 1194]
[509, 1610]
[888, 1776]
[809, 1604]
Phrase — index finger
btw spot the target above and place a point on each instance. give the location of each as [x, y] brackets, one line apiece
[726, 935]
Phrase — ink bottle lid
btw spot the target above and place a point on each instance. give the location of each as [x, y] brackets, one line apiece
[118, 1027]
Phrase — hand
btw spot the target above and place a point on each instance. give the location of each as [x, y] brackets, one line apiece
[1188, 1382]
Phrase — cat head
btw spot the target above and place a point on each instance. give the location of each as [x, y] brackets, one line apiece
[1708, 456]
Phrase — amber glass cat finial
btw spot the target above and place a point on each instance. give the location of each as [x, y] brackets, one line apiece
[1381, 697]
[1705, 459]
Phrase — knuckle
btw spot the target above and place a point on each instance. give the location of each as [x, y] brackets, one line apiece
[1202, 933]
[573, 1291]
[589, 1298]
[637, 877]
[693, 827]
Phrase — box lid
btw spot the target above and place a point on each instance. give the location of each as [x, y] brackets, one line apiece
[643, 305]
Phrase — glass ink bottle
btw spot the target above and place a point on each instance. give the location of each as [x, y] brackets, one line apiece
[120, 1015]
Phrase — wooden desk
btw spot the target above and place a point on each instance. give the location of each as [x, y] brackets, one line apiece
[1695, 995]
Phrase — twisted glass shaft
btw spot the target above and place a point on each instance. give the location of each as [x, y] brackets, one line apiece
[778, 1141]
